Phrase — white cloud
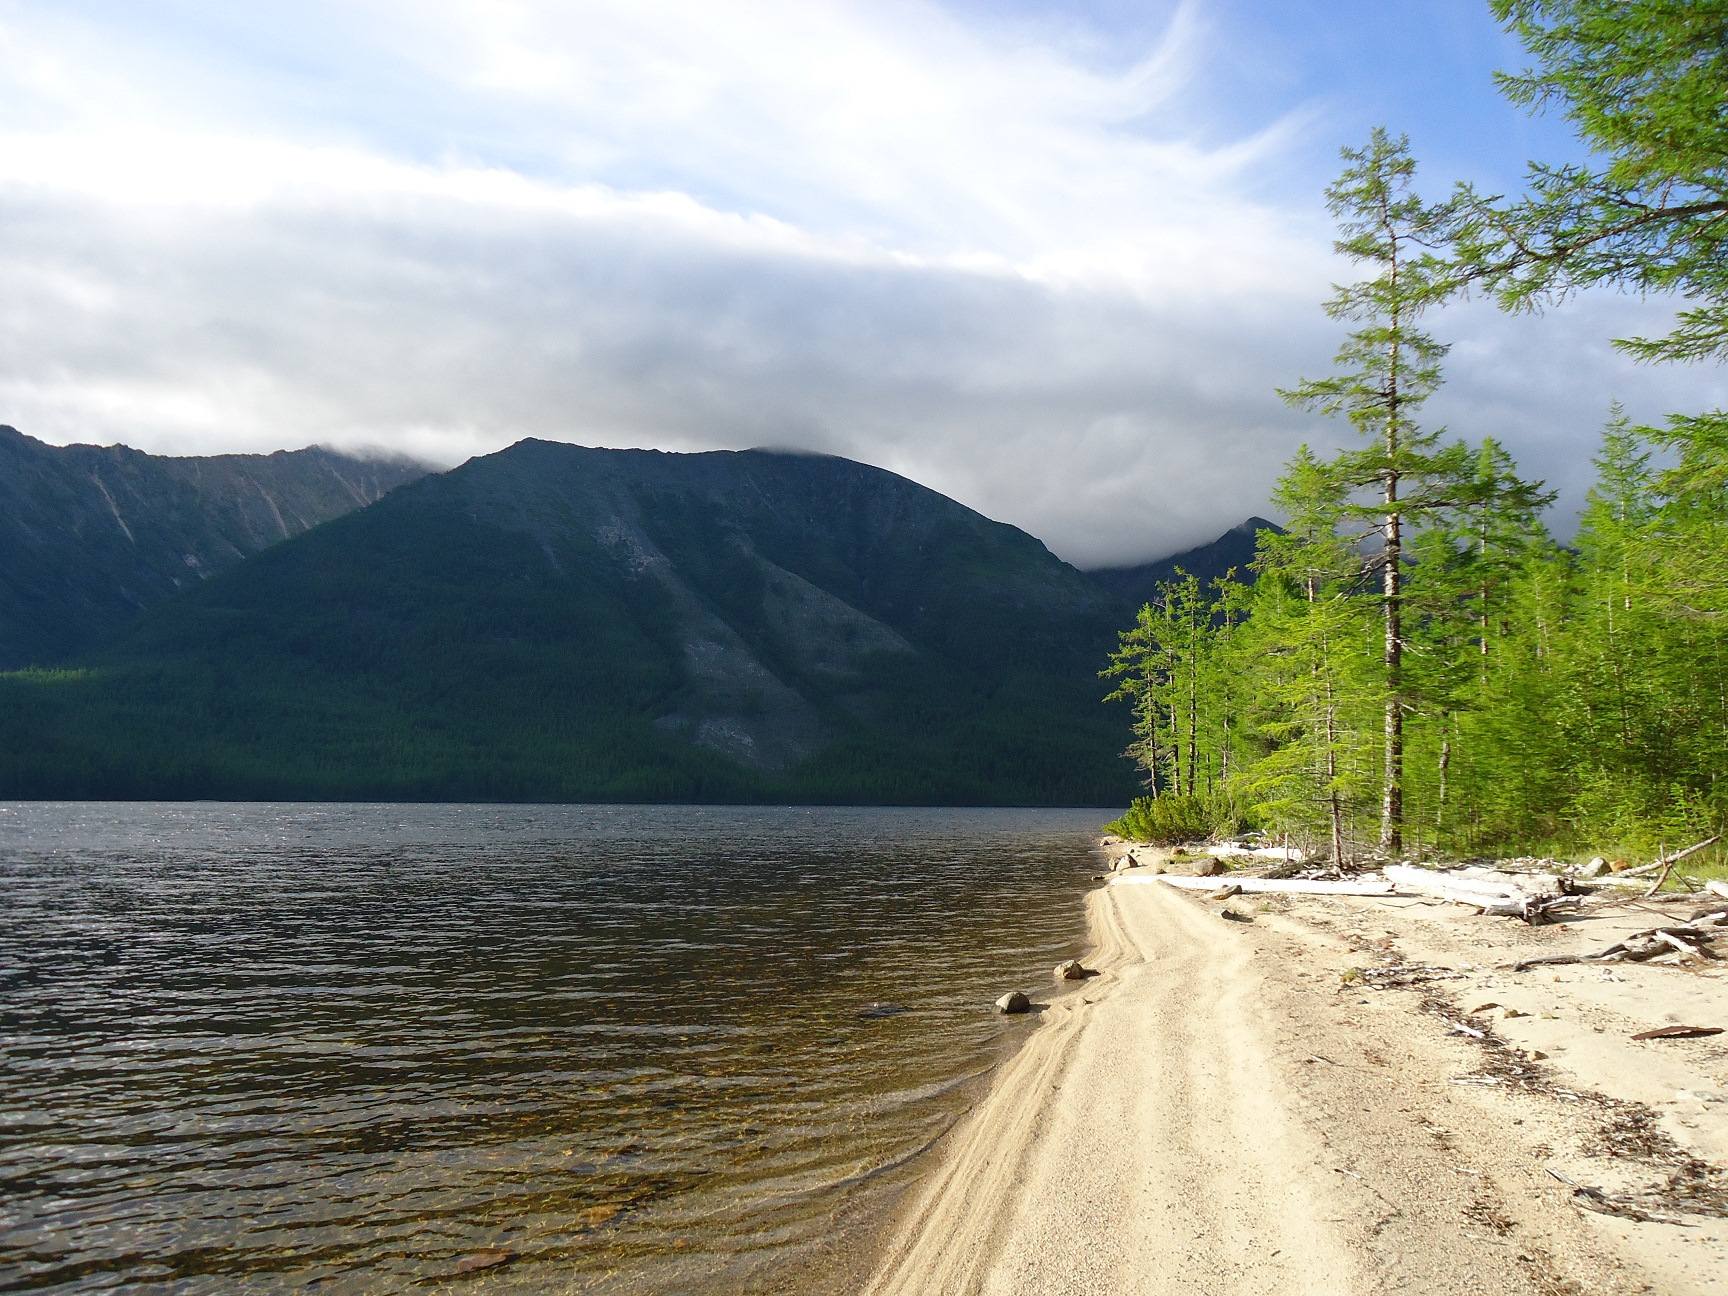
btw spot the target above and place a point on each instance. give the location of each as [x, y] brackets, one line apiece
[962, 254]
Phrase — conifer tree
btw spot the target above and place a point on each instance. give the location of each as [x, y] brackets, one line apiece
[1643, 82]
[1306, 641]
[1384, 371]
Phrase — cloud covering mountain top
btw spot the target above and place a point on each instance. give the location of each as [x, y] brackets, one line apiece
[1021, 256]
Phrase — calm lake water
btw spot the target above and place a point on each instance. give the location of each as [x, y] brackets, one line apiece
[301, 1048]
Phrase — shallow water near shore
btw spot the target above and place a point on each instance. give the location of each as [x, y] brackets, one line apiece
[348, 1048]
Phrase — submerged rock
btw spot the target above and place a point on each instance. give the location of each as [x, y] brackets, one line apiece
[882, 1010]
[490, 1258]
[1013, 1002]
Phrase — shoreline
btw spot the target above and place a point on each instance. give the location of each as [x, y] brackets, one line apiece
[1223, 1109]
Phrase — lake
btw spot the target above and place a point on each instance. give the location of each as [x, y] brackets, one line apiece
[362, 1048]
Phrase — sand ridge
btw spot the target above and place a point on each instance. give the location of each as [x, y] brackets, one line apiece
[1222, 1112]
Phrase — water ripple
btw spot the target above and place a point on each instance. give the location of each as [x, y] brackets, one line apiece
[339, 1048]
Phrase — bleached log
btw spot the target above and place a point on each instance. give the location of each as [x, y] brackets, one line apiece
[1484, 890]
[1529, 884]
[1640, 871]
[1363, 886]
[1716, 887]
[1241, 850]
[1480, 891]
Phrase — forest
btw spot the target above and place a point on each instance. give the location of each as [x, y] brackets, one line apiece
[1418, 664]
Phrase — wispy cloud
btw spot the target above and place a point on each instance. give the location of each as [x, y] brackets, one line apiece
[980, 255]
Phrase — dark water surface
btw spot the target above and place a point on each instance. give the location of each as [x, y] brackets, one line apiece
[284, 1048]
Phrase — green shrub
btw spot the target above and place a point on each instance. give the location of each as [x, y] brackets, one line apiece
[1170, 819]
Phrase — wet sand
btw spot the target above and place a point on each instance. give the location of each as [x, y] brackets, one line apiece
[1222, 1110]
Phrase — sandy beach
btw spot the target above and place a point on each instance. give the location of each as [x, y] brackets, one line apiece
[1228, 1107]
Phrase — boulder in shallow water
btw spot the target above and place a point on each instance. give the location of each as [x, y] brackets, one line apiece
[1013, 1002]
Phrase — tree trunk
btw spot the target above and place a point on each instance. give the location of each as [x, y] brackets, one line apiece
[1193, 694]
[1152, 742]
[1445, 762]
[1392, 798]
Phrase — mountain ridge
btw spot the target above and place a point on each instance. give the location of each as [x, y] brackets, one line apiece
[90, 536]
[1232, 550]
[559, 622]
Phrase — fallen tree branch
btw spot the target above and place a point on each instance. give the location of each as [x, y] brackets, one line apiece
[1495, 894]
[1645, 944]
[1669, 863]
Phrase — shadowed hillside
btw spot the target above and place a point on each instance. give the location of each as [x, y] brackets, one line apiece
[553, 622]
[92, 535]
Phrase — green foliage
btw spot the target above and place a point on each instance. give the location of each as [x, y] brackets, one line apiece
[1406, 493]
[1521, 695]
[1557, 699]
[425, 649]
[1172, 819]
[1642, 82]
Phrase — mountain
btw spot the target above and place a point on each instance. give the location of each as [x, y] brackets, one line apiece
[561, 623]
[1233, 549]
[92, 535]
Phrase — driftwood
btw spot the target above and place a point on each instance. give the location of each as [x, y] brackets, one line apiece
[1678, 1032]
[1364, 886]
[1642, 870]
[1716, 887]
[1531, 897]
[1692, 939]
[1669, 863]
[1401, 975]
[1241, 850]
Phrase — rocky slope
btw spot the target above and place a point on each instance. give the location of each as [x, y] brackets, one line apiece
[567, 623]
[92, 535]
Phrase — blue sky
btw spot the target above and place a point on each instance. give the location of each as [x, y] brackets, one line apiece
[1051, 259]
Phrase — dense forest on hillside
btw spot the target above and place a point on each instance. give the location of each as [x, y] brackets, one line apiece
[1420, 666]
[555, 623]
[90, 536]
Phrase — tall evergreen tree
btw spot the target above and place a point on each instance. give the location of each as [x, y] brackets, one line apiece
[1384, 371]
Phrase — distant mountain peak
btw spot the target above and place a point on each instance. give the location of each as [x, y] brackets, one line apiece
[563, 622]
[1234, 549]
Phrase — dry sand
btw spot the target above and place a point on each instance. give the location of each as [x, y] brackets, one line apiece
[1221, 1110]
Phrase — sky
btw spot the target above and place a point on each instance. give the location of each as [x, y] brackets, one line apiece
[1052, 259]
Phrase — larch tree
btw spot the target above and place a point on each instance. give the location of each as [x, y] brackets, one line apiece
[1385, 369]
